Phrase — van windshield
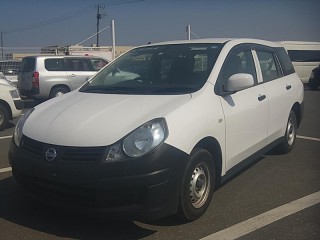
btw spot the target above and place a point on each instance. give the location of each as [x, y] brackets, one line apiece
[164, 69]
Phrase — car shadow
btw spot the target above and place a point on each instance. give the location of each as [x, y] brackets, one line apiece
[19, 210]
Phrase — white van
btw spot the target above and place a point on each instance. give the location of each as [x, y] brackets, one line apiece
[305, 56]
[153, 132]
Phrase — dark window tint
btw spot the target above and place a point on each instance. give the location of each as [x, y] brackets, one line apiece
[269, 67]
[304, 55]
[167, 69]
[28, 64]
[54, 64]
[78, 64]
[285, 61]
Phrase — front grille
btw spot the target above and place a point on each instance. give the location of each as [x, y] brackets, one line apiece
[65, 154]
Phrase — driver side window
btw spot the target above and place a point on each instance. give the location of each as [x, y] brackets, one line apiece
[240, 61]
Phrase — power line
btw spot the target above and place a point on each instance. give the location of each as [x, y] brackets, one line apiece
[50, 21]
[69, 15]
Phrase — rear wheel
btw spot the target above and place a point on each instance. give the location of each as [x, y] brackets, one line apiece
[58, 91]
[290, 136]
[197, 185]
[4, 117]
[313, 84]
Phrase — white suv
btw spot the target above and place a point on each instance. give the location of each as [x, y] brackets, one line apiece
[154, 132]
[10, 103]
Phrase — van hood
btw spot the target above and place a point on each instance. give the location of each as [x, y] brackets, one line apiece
[90, 119]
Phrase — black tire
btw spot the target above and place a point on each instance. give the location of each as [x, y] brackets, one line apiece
[58, 91]
[4, 117]
[313, 84]
[197, 185]
[290, 136]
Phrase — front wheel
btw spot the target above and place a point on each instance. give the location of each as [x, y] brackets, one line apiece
[197, 185]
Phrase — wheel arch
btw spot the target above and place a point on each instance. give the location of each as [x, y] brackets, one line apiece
[60, 85]
[6, 105]
[212, 145]
[298, 111]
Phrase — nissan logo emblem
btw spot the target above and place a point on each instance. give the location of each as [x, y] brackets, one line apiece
[51, 154]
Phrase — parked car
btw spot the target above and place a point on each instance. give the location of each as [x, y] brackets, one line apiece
[10, 103]
[305, 56]
[314, 80]
[158, 141]
[51, 76]
[10, 70]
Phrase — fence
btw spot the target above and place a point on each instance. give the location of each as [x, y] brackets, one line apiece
[17, 53]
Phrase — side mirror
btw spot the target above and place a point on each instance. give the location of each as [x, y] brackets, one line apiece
[239, 81]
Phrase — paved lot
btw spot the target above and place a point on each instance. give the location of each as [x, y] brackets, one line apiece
[261, 192]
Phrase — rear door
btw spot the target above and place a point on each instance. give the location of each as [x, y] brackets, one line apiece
[246, 111]
[78, 70]
[279, 89]
[25, 74]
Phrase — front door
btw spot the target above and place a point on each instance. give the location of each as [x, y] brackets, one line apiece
[246, 111]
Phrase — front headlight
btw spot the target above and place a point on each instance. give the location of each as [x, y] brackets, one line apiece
[14, 94]
[145, 138]
[141, 141]
[18, 129]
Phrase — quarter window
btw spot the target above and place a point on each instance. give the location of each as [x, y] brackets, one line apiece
[269, 66]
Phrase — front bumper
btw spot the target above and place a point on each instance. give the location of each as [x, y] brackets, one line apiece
[146, 187]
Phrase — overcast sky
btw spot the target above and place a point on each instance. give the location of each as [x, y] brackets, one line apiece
[38, 23]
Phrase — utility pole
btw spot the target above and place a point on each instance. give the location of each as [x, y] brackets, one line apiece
[189, 32]
[1, 45]
[99, 16]
[113, 40]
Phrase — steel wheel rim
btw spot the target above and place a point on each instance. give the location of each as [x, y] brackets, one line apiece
[199, 185]
[290, 132]
[59, 94]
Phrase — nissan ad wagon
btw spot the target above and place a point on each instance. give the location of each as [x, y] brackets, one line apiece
[155, 131]
[51, 76]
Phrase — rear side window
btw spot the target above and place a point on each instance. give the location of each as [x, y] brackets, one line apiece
[304, 55]
[285, 61]
[269, 66]
[78, 64]
[28, 64]
[54, 64]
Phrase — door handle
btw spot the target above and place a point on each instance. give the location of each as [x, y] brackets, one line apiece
[261, 97]
[73, 75]
[288, 87]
